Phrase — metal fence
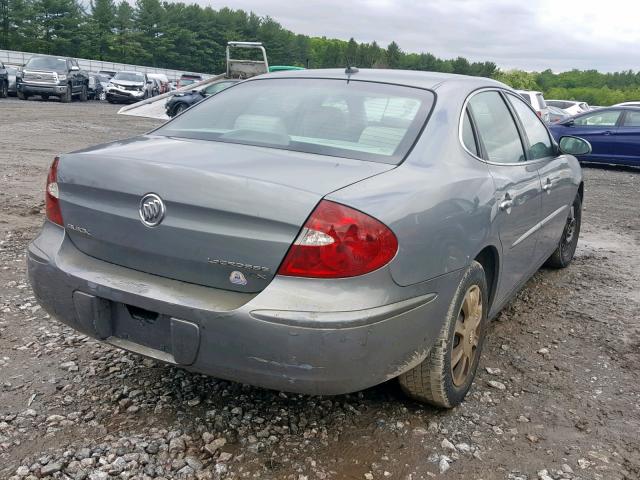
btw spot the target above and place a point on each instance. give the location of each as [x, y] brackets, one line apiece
[11, 57]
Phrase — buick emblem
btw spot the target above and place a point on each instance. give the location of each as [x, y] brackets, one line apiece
[151, 210]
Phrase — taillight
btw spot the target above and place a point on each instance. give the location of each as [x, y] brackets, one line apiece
[338, 241]
[52, 203]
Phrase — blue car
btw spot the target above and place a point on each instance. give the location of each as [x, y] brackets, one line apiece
[614, 134]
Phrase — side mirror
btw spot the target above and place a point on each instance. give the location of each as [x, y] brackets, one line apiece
[568, 123]
[149, 82]
[574, 145]
[74, 68]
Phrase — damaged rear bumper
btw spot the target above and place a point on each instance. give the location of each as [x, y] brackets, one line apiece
[274, 339]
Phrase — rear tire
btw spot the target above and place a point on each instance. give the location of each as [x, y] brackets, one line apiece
[445, 376]
[44, 97]
[4, 90]
[66, 97]
[563, 255]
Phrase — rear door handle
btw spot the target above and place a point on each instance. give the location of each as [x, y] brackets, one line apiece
[608, 132]
[547, 186]
[506, 204]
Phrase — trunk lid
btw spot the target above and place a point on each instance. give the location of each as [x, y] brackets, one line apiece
[228, 208]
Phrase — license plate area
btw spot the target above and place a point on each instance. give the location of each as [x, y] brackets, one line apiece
[141, 326]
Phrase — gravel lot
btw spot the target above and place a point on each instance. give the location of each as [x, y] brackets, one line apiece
[557, 395]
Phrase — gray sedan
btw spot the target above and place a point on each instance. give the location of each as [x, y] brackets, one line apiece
[315, 231]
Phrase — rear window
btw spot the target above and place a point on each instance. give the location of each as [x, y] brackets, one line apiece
[360, 120]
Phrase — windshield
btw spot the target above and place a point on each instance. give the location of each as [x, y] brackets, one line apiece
[360, 120]
[129, 77]
[47, 63]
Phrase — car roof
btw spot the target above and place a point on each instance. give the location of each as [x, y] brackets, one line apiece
[410, 78]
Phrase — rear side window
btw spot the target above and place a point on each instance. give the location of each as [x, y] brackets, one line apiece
[537, 134]
[496, 128]
[632, 119]
[468, 137]
[601, 118]
[359, 120]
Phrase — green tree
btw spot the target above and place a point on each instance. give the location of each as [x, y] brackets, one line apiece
[101, 27]
[394, 55]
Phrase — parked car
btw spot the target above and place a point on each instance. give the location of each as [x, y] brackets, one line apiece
[179, 102]
[313, 231]
[557, 114]
[49, 76]
[162, 80]
[570, 106]
[156, 87]
[4, 81]
[536, 100]
[129, 87]
[614, 134]
[628, 104]
[96, 89]
[188, 79]
[12, 75]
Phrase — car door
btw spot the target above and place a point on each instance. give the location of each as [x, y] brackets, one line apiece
[517, 186]
[598, 128]
[72, 76]
[626, 143]
[555, 174]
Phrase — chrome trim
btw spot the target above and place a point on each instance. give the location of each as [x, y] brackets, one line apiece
[538, 226]
[151, 210]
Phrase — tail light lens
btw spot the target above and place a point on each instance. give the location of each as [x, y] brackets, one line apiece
[52, 203]
[337, 242]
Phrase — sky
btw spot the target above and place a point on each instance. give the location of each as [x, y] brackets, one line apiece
[524, 34]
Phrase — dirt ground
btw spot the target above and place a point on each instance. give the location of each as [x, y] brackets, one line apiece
[564, 358]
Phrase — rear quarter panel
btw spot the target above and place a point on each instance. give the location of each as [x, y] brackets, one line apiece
[440, 202]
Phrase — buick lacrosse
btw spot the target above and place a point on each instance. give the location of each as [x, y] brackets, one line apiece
[316, 231]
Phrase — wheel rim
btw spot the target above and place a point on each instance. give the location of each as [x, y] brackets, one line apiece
[571, 226]
[466, 336]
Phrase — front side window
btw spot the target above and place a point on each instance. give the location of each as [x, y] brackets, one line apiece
[606, 118]
[360, 120]
[496, 128]
[539, 141]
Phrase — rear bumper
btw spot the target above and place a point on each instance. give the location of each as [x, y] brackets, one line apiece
[39, 89]
[257, 339]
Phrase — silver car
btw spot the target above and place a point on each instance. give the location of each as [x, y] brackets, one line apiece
[315, 231]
